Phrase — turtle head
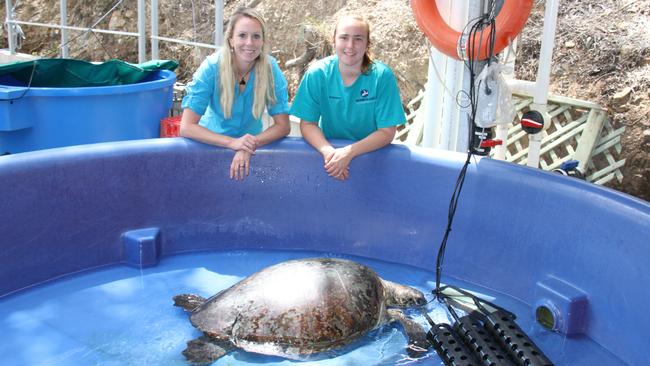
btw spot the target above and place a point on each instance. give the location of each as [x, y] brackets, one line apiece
[189, 302]
[402, 296]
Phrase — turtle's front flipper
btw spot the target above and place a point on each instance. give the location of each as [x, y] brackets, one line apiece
[205, 350]
[188, 302]
[417, 337]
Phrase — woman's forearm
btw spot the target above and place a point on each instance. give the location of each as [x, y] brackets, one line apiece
[190, 128]
[374, 141]
[281, 128]
[314, 136]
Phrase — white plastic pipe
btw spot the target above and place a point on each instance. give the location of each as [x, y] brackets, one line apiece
[142, 36]
[521, 86]
[154, 30]
[218, 23]
[546, 52]
[534, 147]
[451, 114]
[501, 133]
[64, 32]
[433, 99]
[441, 129]
[95, 30]
[540, 93]
[10, 27]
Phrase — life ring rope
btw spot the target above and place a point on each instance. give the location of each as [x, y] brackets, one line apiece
[509, 23]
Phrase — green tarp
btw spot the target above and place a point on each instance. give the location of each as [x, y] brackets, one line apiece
[70, 73]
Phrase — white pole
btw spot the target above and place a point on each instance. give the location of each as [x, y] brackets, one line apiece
[442, 128]
[451, 110]
[501, 133]
[218, 23]
[64, 32]
[154, 30]
[433, 99]
[142, 45]
[472, 11]
[10, 27]
[540, 93]
[501, 130]
[546, 52]
[534, 147]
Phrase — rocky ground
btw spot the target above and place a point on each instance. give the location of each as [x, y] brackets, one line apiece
[602, 49]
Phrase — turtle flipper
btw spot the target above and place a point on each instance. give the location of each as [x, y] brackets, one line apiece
[205, 350]
[188, 302]
[417, 338]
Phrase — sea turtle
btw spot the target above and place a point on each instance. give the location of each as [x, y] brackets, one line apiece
[299, 308]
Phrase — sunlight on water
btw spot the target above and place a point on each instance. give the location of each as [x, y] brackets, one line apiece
[125, 316]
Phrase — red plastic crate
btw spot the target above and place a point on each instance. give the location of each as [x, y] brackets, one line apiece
[170, 126]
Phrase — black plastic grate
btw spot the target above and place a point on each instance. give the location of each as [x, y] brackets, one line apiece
[514, 340]
[450, 347]
[480, 341]
[485, 334]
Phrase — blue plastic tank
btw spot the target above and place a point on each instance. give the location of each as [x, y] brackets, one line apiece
[40, 118]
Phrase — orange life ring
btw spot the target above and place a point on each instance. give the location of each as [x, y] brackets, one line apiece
[509, 22]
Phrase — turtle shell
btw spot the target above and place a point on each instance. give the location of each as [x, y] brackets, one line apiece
[297, 307]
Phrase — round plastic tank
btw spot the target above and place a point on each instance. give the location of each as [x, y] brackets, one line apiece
[40, 118]
[566, 254]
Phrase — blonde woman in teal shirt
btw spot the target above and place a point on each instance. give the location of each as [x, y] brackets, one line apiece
[230, 90]
[348, 96]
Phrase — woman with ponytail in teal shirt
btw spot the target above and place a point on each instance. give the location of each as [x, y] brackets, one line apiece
[348, 96]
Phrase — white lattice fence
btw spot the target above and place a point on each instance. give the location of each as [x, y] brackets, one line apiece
[578, 130]
[411, 132]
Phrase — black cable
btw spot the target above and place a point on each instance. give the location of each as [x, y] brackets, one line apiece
[476, 29]
[106, 53]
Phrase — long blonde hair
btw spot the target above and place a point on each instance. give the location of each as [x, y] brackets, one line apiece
[264, 88]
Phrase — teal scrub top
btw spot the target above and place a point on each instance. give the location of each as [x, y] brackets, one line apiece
[203, 99]
[348, 112]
